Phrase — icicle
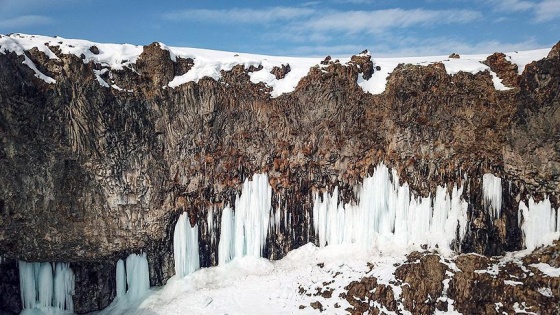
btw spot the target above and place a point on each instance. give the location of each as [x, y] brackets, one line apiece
[121, 278]
[185, 247]
[27, 284]
[210, 222]
[277, 221]
[252, 215]
[64, 287]
[226, 245]
[492, 194]
[46, 286]
[539, 225]
[137, 276]
[389, 218]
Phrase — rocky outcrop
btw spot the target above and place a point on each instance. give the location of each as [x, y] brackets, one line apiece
[505, 69]
[469, 284]
[91, 173]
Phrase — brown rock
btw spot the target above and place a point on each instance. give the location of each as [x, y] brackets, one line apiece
[317, 305]
[505, 69]
[281, 72]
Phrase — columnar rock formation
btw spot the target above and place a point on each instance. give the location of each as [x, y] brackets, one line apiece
[92, 173]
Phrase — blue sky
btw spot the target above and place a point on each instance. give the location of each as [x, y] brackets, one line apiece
[296, 28]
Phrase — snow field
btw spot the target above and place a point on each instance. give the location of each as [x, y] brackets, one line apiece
[210, 63]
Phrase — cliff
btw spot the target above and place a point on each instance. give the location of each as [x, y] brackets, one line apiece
[98, 160]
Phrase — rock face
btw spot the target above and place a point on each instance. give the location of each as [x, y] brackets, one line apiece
[469, 284]
[91, 174]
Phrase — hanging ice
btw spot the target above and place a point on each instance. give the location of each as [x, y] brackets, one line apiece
[492, 194]
[137, 276]
[132, 277]
[244, 232]
[63, 287]
[46, 286]
[226, 245]
[389, 218]
[121, 278]
[28, 284]
[539, 222]
[185, 247]
[252, 213]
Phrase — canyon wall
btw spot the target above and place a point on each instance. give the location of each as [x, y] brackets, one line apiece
[90, 174]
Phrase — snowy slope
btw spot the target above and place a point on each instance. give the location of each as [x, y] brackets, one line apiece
[253, 285]
[209, 63]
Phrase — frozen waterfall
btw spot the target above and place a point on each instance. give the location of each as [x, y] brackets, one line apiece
[137, 275]
[132, 277]
[389, 218]
[46, 286]
[185, 247]
[492, 194]
[121, 278]
[243, 231]
[540, 223]
[226, 245]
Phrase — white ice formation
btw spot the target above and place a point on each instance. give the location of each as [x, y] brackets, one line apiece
[492, 194]
[226, 246]
[137, 276]
[388, 217]
[185, 247]
[244, 232]
[47, 287]
[132, 277]
[121, 278]
[539, 222]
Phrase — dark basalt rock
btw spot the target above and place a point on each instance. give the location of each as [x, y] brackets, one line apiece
[91, 174]
[10, 300]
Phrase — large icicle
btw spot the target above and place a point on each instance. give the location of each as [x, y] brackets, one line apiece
[185, 247]
[226, 245]
[137, 276]
[252, 215]
[46, 286]
[540, 223]
[64, 283]
[244, 232]
[27, 283]
[121, 278]
[389, 218]
[492, 193]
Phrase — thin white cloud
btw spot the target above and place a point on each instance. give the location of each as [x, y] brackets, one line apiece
[24, 7]
[25, 21]
[354, 1]
[323, 51]
[547, 10]
[239, 15]
[544, 11]
[409, 47]
[512, 5]
[380, 20]
[412, 47]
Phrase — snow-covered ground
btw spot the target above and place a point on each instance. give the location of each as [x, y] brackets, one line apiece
[252, 285]
[210, 63]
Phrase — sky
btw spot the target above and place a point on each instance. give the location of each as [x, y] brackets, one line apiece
[297, 28]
